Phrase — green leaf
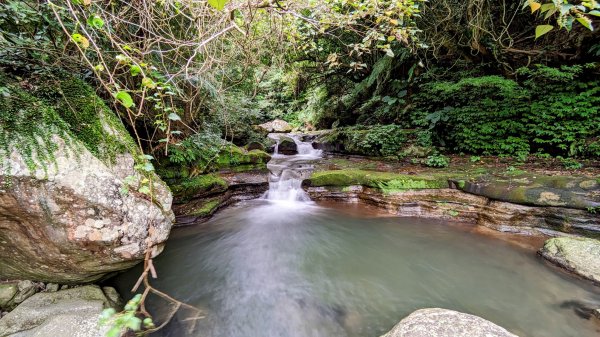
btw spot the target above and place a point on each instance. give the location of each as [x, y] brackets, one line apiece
[218, 4]
[135, 70]
[594, 13]
[144, 190]
[174, 117]
[148, 167]
[135, 323]
[115, 331]
[80, 40]
[95, 21]
[542, 29]
[124, 98]
[148, 83]
[587, 23]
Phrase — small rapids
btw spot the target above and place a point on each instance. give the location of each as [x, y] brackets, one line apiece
[288, 172]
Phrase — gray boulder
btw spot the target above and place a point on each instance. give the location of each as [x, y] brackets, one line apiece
[578, 255]
[69, 223]
[277, 125]
[70, 313]
[436, 322]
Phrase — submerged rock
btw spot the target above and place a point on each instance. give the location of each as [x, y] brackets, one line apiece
[71, 312]
[579, 255]
[438, 322]
[277, 125]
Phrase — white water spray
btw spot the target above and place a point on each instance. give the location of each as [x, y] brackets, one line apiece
[288, 172]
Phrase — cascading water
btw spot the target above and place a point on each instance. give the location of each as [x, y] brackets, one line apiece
[288, 171]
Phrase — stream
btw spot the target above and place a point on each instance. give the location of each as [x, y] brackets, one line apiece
[285, 266]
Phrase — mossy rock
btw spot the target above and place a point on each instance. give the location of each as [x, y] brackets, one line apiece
[62, 105]
[191, 187]
[234, 156]
[388, 182]
[206, 209]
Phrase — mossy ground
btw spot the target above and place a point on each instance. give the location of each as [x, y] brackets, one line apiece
[33, 110]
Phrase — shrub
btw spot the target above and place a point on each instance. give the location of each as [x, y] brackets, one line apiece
[437, 160]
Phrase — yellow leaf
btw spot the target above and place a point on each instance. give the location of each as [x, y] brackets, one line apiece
[87, 2]
[534, 6]
[394, 22]
[391, 38]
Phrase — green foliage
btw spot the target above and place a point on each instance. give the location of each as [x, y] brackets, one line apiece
[437, 160]
[474, 159]
[127, 320]
[545, 108]
[32, 110]
[376, 140]
[571, 164]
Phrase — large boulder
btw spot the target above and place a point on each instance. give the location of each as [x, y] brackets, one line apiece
[71, 203]
[277, 126]
[579, 255]
[72, 223]
[436, 322]
[71, 312]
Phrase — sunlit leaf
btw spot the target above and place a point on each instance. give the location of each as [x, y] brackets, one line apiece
[174, 117]
[534, 6]
[124, 98]
[148, 83]
[218, 4]
[135, 70]
[542, 29]
[587, 23]
[80, 40]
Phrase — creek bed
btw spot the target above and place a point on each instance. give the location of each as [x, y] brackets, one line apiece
[297, 269]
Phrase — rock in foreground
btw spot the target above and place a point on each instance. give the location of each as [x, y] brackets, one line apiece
[579, 255]
[438, 322]
[72, 312]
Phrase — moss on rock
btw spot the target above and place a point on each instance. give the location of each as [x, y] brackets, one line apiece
[207, 208]
[190, 187]
[31, 114]
[388, 182]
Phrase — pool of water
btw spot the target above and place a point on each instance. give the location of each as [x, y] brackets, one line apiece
[287, 269]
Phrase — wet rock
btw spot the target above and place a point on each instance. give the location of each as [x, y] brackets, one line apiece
[277, 126]
[255, 146]
[453, 204]
[437, 322]
[71, 224]
[287, 146]
[238, 186]
[51, 287]
[72, 312]
[557, 191]
[579, 255]
[7, 292]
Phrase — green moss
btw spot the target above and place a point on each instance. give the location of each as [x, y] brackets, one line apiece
[207, 208]
[66, 107]
[234, 156]
[189, 187]
[388, 182]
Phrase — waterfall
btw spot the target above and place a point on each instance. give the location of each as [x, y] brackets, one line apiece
[288, 171]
